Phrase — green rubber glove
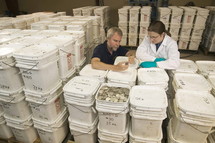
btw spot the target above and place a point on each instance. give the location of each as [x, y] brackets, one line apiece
[159, 59]
[148, 64]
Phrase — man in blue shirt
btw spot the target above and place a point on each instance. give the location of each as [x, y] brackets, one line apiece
[105, 54]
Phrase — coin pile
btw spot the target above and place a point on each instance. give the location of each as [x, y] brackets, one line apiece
[113, 94]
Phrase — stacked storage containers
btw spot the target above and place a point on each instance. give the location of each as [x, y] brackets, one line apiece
[208, 39]
[16, 110]
[164, 15]
[175, 21]
[123, 23]
[147, 114]
[43, 92]
[186, 27]
[145, 19]
[112, 102]
[198, 27]
[133, 25]
[79, 95]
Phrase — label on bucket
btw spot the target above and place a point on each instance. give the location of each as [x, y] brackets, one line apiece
[58, 105]
[69, 61]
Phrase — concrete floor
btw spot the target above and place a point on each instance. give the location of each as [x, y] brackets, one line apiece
[195, 56]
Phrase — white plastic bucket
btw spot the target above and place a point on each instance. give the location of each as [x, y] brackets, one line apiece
[110, 137]
[37, 79]
[16, 108]
[185, 30]
[183, 42]
[82, 113]
[195, 82]
[23, 130]
[197, 31]
[174, 29]
[10, 79]
[206, 67]
[146, 112]
[144, 28]
[189, 14]
[176, 15]
[153, 77]
[194, 44]
[132, 39]
[48, 110]
[164, 14]
[5, 130]
[123, 14]
[136, 139]
[83, 133]
[82, 89]
[90, 72]
[186, 66]
[125, 77]
[145, 14]
[53, 132]
[133, 28]
[66, 46]
[134, 13]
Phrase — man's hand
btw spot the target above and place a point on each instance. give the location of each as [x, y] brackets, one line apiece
[131, 59]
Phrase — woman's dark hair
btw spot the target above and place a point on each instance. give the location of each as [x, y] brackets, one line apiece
[158, 27]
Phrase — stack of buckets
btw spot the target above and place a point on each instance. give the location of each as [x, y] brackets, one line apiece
[148, 110]
[206, 68]
[193, 109]
[79, 94]
[186, 66]
[66, 62]
[127, 77]
[16, 109]
[194, 117]
[44, 93]
[113, 118]
[153, 77]
[90, 72]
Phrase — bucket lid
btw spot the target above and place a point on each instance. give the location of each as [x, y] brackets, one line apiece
[191, 81]
[152, 75]
[81, 86]
[89, 71]
[196, 103]
[35, 52]
[206, 67]
[126, 76]
[25, 123]
[187, 66]
[60, 41]
[125, 59]
[148, 98]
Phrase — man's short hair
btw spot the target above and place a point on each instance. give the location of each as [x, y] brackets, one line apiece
[112, 31]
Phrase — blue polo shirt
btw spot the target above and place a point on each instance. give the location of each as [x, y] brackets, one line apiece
[104, 55]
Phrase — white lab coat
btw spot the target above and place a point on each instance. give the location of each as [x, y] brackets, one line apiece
[146, 51]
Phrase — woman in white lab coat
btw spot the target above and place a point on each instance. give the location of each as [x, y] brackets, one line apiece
[158, 49]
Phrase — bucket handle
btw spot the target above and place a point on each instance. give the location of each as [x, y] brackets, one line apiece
[29, 68]
[83, 110]
[67, 52]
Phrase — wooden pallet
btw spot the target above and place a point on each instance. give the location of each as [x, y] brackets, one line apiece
[13, 140]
